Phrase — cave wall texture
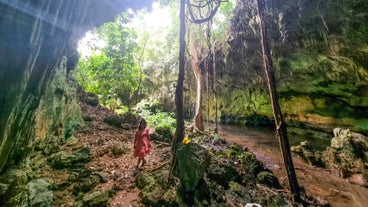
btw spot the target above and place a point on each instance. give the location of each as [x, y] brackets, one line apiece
[320, 54]
[319, 49]
[38, 41]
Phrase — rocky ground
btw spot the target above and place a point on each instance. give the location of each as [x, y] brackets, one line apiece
[112, 154]
[95, 166]
[108, 176]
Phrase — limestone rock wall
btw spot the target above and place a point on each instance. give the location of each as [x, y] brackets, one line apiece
[319, 51]
[38, 41]
[39, 109]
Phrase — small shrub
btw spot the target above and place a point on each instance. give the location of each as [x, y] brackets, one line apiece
[162, 134]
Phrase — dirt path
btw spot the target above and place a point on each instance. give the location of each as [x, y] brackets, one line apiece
[112, 152]
[317, 182]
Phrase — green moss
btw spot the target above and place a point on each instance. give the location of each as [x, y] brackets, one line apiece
[244, 107]
[268, 179]
[296, 104]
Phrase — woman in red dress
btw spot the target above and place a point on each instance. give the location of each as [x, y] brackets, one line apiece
[142, 145]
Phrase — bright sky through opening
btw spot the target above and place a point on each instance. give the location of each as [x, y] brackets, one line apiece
[154, 21]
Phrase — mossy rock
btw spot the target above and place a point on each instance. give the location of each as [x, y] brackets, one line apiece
[212, 190]
[251, 166]
[238, 195]
[64, 159]
[86, 184]
[344, 162]
[40, 193]
[129, 117]
[162, 134]
[155, 191]
[222, 172]
[91, 99]
[275, 201]
[308, 154]
[122, 120]
[235, 150]
[95, 199]
[258, 120]
[192, 161]
[114, 120]
[15, 190]
[3, 188]
[268, 179]
[118, 149]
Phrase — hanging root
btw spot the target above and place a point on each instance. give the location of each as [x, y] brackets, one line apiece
[322, 18]
[171, 179]
[194, 129]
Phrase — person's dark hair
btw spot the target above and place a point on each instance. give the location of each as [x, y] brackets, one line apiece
[141, 123]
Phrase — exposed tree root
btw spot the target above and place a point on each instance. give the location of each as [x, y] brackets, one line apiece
[162, 143]
[159, 167]
[194, 129]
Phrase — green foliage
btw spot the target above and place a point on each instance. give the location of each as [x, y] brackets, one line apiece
[157, 57]
[155, 116]
[221, 21]
[163, 134]
[114, 73]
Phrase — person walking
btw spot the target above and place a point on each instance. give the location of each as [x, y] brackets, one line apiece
[142, 143]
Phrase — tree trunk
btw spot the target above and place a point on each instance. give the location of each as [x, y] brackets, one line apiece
[214, 86]
[179, 102]
[179, 133]
[198, 117]
[200, 12]
[140, 64]
[281, 133]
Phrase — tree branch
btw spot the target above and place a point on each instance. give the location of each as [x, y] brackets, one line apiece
[208, 4]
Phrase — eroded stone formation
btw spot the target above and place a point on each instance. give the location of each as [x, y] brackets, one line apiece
[346, 156]
[319, 51]
[38, 104]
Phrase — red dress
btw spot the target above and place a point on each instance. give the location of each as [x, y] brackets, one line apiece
[142, 145]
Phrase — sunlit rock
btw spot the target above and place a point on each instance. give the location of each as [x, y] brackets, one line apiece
[40, 193]
[347, 157]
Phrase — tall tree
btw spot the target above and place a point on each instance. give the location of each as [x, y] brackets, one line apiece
[214, 86]
[195, 60]
[179, 133]
[159, 60]
[179, 102]
[200, 12]
[281, 133]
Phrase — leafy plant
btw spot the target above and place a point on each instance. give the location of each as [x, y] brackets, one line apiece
[155, 116]
[112, 71]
